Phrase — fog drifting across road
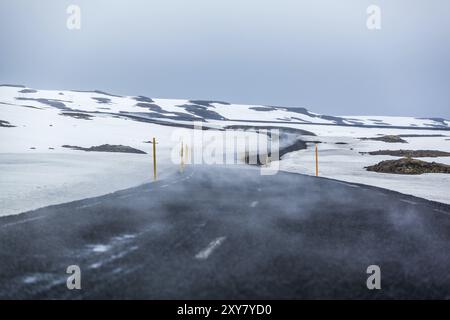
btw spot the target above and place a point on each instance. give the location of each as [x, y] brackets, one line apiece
[230, 233]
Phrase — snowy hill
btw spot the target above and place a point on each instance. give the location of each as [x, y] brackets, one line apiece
[44, 135]
[91, 104]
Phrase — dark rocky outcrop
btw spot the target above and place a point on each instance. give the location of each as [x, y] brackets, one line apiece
[102, 100]
[202, 112]
[28, 91]
[387, 138]
[207, 103]
[77, 115]
[5, 124]
[409, 166]
[50, 102]
[410, 153]
[107, 148]
[420, 135]
[143, 99]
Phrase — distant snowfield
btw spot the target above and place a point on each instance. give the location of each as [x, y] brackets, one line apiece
[34, 180]
[37, 171]
[337, 161]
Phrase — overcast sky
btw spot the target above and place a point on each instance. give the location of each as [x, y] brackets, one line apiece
[316, 53]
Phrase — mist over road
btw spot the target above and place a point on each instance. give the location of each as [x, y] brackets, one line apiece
[230, 233]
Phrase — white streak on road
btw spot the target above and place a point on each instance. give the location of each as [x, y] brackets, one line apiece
[408, 201]
[347, 184]
[441, 211]
[23, 221]
[99, 248]
[253, 204]
[213, 245]
[124, 196]
[88, 205]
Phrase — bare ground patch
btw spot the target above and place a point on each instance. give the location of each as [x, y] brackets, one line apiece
[409, 153]
[107, 148]
[409, 166]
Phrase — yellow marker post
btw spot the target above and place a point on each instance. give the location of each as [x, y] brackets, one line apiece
[317, 161]
[154, 158]
[186, 153]
[181, 158]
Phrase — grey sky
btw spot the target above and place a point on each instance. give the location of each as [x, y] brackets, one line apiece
[315, 53]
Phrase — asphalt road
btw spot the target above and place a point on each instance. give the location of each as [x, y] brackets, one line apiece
[230, 233]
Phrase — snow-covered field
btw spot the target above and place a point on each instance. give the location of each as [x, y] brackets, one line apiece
[37, 171]
[340, 162]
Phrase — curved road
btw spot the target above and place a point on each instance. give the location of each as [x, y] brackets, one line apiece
[230, 233]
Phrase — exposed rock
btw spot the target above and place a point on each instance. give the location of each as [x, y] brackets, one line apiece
[77, 115]
[50, 102]
[143, 99]
[102, 100]
[409, 153]
[107, 148]
[152, 107]
[421, 135]
[202, 112]
[263, 108]
[28, 91]
[409, 166]
[12, 85]
[6, 124]
[388, 139]
[207, 103]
